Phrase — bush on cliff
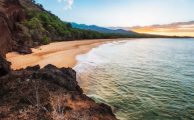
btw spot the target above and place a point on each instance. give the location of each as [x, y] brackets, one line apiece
[46, 40]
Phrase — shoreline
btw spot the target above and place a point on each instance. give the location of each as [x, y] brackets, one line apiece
[60, 54]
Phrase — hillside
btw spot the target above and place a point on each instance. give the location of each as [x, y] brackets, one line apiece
[26, 24]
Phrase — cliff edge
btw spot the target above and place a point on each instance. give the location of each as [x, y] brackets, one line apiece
[49, 93]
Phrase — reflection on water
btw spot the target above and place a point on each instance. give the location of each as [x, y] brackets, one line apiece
[142, 79]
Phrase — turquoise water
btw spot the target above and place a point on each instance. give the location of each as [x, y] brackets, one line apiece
[149, 79]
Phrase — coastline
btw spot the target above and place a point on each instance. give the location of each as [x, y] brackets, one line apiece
[60, 54]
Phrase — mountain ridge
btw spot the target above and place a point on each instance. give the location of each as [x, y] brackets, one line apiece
[102, 29]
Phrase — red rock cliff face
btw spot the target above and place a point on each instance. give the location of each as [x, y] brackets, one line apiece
[11, 13]
[5, 38]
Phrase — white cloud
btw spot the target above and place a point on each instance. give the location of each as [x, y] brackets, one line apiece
[68, 3]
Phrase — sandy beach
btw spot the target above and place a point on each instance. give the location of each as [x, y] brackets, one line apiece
[60, 54]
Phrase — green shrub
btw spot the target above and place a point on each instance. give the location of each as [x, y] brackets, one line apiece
[45, 40]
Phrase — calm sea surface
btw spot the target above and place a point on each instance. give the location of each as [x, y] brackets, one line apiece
[149, 79]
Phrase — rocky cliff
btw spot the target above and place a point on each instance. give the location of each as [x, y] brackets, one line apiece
[11, 33]
[46, 94]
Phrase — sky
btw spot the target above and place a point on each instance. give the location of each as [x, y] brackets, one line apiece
[121, 13]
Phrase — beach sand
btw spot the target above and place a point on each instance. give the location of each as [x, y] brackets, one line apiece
[60, 54]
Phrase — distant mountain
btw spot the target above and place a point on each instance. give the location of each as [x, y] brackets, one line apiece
[102, 29]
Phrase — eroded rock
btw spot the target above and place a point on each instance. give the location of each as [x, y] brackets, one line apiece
[49, 93]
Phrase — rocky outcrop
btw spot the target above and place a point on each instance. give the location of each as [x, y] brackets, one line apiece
[46, 94]
[11, 34]
[5, 38]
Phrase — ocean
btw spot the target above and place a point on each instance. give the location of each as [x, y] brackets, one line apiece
[149, 79]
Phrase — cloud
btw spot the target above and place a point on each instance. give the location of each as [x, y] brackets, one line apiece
[68, 3]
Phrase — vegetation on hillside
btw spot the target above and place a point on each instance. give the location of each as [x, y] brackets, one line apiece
[43, 27]
[49, 27]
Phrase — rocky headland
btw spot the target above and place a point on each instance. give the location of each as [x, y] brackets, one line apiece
[49, 93]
